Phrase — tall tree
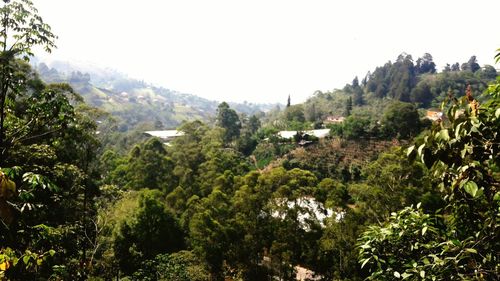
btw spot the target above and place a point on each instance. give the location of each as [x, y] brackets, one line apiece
[253, 124]
[425, 64]
[228, 119]
[22, 29]
[348, 106]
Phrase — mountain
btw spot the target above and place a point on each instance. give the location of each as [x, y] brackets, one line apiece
[133, 101]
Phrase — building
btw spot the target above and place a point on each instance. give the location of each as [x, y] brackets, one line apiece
[434, 114]
[165, 135]
[334, 119]
[320, 133]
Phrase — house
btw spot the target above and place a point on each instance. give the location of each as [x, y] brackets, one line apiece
[434, 114]
[334, 119]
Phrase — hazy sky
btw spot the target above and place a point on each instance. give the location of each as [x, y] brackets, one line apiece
[262, 51]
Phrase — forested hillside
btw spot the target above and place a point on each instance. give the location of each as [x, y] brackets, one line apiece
[385, 194]
[133, 102]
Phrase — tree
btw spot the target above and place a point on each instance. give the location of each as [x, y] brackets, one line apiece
[488, 72]
[180, 266]
[228, 119]
[471, 65]
[348, 107]
[295, 113]
[254, 124]
[149, 230]
[357, 92]
[425, 64]
[22, 29]
[52, 146]
[209, 231]
[401, 119]
[364, 81]
[355, 82]
[288, 101]
[356, 127]
[391, 183]
[310, 112]
[402, 77]
[422, 94]
[149, 167]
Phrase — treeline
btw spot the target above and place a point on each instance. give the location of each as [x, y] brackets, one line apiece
[397, 83]
[418, 82]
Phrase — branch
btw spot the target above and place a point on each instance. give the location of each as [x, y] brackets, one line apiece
[37, 136]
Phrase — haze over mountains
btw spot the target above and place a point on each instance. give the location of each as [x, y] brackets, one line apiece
[133, 100]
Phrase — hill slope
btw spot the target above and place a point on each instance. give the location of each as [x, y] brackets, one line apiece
[133, 101]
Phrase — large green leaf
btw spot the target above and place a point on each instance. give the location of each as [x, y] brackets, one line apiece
[471, 188]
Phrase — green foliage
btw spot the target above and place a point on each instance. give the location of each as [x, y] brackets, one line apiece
[150, 230]
[431, 90]
[22, 29]
[180, 266]
[394, 80]
[392, 182]
[210, 230]
[404, 248]
[228, 119]
[193, 210]
[50, 146]
[356, 127]
[337, 254]
[463, 155]
[248, 139]
[348, 107]
[149, 167]
[400, 120]
[425, 64]
[422, 94]
[295, 113]
[471, 65]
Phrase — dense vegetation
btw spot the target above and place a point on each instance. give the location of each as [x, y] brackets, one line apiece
[388, 195]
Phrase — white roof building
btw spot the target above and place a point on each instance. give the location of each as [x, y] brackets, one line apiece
[320, 133]
[165, 134]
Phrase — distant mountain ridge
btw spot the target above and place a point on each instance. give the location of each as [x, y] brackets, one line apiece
[134, 101]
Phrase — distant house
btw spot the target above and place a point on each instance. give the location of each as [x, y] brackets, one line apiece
[334, 119]
[165, 135]
[434, 114]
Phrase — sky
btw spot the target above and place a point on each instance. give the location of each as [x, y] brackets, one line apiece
[264, 50]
